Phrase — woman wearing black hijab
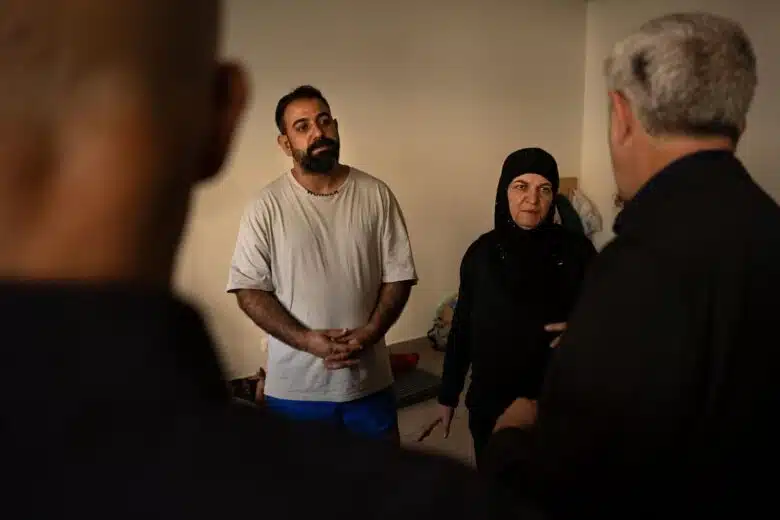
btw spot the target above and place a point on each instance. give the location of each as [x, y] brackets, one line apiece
[515, 280]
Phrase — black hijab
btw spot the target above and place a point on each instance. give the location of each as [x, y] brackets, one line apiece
[528, 258]
[526, 160]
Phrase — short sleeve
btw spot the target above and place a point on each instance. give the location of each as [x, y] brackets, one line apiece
[250, 267]
[397, 258]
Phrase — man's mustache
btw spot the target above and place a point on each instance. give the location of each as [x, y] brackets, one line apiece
[322, 143]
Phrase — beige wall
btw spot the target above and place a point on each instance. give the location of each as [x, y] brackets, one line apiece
[430, 95]
[609, 20]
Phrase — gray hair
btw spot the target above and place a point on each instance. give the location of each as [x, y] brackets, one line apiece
[686, 74]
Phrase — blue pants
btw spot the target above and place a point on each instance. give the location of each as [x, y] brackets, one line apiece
[373, 416]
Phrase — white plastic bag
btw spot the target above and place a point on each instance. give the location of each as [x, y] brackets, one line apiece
[589, 215]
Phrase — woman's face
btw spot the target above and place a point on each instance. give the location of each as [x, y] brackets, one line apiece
[530, 197]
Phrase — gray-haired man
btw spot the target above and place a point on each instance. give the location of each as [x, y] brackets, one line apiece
[663, 395]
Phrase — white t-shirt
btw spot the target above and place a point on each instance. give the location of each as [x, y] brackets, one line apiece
[325, 258]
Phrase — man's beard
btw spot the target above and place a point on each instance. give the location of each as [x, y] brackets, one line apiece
[324, 160]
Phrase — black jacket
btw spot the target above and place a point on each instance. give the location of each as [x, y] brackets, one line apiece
[113, 405]
[513, 282]
[662, 398]
[498, 325]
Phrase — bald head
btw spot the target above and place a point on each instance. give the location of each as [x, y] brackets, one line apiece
[109, 112]
[50, 48]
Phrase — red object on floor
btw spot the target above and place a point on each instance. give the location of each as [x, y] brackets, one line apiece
[401, 363]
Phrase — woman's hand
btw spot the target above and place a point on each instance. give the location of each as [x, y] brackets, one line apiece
[443, 418]
[556, 327]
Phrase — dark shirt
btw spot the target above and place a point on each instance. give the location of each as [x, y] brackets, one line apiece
[506, 297]
[662, 398]
[114, 406]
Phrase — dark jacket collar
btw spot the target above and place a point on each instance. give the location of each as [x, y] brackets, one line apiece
[690, 172]
[83, 344]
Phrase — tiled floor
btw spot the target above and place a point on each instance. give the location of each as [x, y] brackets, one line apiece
[413, 419]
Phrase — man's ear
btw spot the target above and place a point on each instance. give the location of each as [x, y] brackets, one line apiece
[622, 122]
[231, 95]
[284, 143]
[336, 124]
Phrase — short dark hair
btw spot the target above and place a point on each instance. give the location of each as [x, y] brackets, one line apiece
[302, 92]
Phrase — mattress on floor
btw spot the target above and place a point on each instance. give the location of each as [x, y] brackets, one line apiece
[415, 386]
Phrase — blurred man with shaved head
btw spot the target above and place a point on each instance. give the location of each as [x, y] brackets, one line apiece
[110, 113]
